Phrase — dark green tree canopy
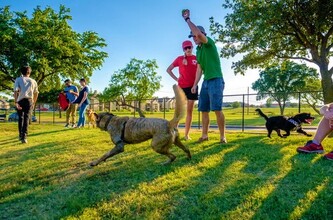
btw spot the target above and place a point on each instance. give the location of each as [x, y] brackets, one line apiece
[270, 31]
[280, 82]
[136, 82]
[49, 45]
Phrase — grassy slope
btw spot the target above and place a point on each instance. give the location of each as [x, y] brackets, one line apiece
[252, 177]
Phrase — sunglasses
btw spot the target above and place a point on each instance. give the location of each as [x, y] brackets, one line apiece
[187, 48]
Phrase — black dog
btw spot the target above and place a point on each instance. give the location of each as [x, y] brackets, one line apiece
[279, 123]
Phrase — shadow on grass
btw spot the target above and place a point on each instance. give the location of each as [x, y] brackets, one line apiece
[221, 195]
[304, 193]
[62, 187]
[230, 178]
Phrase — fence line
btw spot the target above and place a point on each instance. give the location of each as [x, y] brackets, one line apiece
[163, 108]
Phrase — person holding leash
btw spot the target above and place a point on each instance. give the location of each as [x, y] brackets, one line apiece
[25, 97]
[211, 93]
[187, 66]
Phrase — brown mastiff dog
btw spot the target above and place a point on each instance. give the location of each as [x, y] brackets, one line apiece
[126, 130]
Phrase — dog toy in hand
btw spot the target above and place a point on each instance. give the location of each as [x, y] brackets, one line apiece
[186, 14]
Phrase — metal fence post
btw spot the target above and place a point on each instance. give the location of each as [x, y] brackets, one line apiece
[53, 113]
[243, 113]
[164, 108]
[299, 102]
[39, 113]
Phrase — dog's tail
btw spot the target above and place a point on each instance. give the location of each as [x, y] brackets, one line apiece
[261, 114]
[180, 106]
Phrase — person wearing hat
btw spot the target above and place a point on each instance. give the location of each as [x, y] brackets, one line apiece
[211, 93]
[25, 97]
[72, 107]
[187, 67]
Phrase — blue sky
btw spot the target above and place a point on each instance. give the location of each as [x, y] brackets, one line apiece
[142, 29]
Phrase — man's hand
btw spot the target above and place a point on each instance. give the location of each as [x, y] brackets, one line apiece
[186, 14]
[18, 106]
[194, 89]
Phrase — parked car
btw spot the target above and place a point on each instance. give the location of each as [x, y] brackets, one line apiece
[14, 117]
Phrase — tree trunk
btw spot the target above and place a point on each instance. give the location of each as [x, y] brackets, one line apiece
[326, 83]
[282, 106]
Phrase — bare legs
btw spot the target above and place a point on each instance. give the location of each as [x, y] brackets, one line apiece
[323, 130]
[188, 123]
[220, 122]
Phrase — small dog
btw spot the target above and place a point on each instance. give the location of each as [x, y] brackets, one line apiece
[279, 123]
[91, 118]
[125, 130]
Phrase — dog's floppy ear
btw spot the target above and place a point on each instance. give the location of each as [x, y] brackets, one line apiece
[96, 116]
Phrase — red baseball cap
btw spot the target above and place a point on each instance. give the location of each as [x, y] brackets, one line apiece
[187, 43]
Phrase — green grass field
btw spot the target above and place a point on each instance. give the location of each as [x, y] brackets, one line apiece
[251, 177]
[233, 116]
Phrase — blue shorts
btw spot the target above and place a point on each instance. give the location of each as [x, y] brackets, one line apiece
[211, 95]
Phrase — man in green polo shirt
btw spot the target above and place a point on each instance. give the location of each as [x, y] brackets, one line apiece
[211, 93]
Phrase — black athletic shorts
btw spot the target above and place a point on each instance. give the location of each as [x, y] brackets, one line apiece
[189, 94]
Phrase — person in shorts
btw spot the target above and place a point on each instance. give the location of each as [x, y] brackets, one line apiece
[211, 93]
[187, 67]
[25, 97]
[325, 127]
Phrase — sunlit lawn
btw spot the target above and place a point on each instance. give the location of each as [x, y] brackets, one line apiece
[251, 177]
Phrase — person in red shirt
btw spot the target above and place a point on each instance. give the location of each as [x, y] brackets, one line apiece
[187, 66]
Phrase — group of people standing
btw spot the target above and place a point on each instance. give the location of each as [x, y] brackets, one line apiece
[26, 94]
[206, 63]
[76, 99]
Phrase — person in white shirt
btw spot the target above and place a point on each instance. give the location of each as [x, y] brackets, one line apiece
[25, 96]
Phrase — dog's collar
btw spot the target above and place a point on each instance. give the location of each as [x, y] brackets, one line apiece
[106, 123]
[297, 124]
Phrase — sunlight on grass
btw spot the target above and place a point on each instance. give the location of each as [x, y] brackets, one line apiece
[308, 200]
[251, 177]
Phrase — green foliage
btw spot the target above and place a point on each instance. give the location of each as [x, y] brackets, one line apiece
[137, 81]
[269, 102]
[50, 96]
[313, 99]
[266, 32]
[235, 104]
[280, 82]
[49, 45]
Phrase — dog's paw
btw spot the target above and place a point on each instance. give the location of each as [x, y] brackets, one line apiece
[309, 135]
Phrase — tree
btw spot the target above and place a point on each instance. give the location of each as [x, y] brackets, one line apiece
[270, 31]
[235, 104]
[313, 97]
[137, 81]
[269, 102]
[281, 81]
[49, 45]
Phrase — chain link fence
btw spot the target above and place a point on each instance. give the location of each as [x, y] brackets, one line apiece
[239, 109]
